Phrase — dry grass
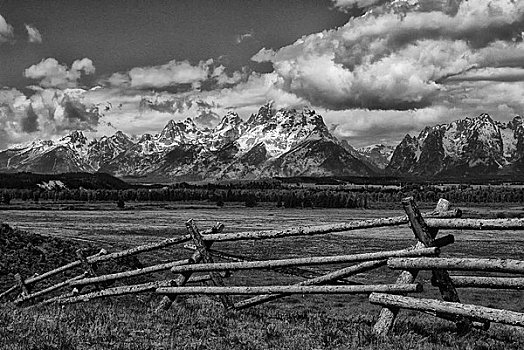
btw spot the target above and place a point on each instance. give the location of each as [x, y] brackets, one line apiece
[200, 323]
[312, 322]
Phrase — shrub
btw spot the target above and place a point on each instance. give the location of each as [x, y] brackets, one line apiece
[250, 202]
[120, 203]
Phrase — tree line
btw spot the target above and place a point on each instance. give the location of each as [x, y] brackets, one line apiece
[287, 198]
[281, 196]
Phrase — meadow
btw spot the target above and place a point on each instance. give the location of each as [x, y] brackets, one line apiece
[296, 322]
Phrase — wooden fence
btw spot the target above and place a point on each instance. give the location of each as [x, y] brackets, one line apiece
[423, 256]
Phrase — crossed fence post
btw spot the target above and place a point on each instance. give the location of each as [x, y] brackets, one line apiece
[202, 253]
[426, 238]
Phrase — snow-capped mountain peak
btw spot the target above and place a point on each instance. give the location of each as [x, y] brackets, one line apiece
[264, 114]
[477, 145]
[378, 154]
[280, 130]
[176, 133]
[285, 142]
[75, 137]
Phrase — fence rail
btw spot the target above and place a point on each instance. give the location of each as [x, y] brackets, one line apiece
[459, 264]
[475, 312]
[365, 289]
[424, 255]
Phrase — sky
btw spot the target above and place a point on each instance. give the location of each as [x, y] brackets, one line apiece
[374, 69]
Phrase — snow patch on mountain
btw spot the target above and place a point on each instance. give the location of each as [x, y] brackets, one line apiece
[283, 142]
[476, 146]
[378, 154]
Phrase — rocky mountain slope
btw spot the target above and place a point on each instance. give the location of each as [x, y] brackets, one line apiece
[379, 154]
[270, 143]
[471, 146]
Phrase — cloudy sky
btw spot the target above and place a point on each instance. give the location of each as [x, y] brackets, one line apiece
[375, 69]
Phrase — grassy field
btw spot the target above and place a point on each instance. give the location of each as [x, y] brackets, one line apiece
[297, 322]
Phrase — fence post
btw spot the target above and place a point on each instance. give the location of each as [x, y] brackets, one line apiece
[203, 249]
[88, 267]
[24, 288]
[426, 237]
[168, 300]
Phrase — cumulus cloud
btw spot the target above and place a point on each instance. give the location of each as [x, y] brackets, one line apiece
[399, 6]
[222, 78]
[136, 111]
[6, 31]
[391, 60]
[45, 114]
[176, 76]
[33, 34]
[51, 73]
[399, 67]
[171, 73]
[385, 126]
[361, 127]
[348, 4]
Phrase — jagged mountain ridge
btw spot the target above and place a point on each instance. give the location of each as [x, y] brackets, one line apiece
[378, 154]
[470, 146]
[283, 142]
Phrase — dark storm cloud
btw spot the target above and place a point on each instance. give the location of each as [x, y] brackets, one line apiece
[77, 117]
[506, 74]
[179, 105]
[399, 54]
[44, 114]
[30, 121]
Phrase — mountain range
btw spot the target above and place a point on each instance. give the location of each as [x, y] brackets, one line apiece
[276, 143]
[270, 143]
[471, 146]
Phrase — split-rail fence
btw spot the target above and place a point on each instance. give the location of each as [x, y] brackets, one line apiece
[424, 255]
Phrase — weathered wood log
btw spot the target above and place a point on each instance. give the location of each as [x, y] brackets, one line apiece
[444, 241]
[8, 291]
[48, 290]
[442, 205]
[105, 257]
[318, 260]
[333, 276]
[127, 274]
[86, 265]
[417, 223]
[426, 238]
[131, 289]
[388, 314]
[290, 270]
[364, 289]
[168, 300]
[487, 282]
[476, 224]
[202, 248]
[458, 264]
[101, 256]
[323, 229]
[212, 235]
[446, 307]
[22, 285]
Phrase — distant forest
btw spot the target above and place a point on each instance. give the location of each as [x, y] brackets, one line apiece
[285, 195]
